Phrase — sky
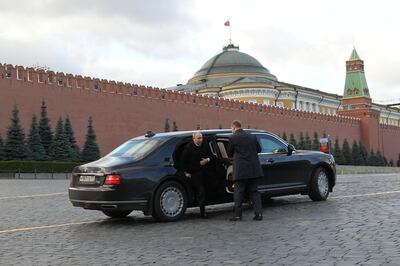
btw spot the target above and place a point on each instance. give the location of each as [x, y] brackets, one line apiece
[163, 43]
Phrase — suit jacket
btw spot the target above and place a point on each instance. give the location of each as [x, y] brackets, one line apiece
[192, 155]
[244, 149]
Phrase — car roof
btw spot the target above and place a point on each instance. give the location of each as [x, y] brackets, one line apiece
[189, 133]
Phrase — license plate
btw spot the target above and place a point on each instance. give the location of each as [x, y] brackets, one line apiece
[87, 179]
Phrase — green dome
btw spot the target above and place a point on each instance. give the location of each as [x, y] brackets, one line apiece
[231, 61]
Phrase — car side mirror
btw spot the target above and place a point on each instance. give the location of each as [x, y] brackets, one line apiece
[290, 149]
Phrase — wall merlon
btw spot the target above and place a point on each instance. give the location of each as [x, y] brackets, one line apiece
[2, 71]
[21, 73]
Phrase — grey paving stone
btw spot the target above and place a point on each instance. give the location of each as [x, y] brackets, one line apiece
[344, 230]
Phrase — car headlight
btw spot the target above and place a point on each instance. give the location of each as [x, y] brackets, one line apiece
[331, 159]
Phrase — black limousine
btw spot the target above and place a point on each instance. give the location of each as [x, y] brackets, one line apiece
[144, 174]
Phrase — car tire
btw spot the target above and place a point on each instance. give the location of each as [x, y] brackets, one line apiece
[170, 202]
[116, 214]
[319, 185]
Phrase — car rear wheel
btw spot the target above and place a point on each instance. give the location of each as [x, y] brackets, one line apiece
[116, 214]
[170, 202]
[319, 186]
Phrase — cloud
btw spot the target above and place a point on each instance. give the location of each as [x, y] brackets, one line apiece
[163, 43]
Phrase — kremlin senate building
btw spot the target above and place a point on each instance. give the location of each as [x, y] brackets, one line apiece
[230, 85]
[235, 75]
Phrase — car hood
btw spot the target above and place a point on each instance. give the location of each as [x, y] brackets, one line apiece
[310, 152]
[105, 164]
[316, 154]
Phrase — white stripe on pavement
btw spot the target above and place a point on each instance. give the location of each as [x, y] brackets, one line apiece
[47, 226]
[348, 176]
[366, 195]
[34, 196]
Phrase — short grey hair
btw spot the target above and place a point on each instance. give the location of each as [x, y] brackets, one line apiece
[195, 133]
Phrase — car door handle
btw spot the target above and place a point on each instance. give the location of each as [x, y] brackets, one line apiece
[270, 160]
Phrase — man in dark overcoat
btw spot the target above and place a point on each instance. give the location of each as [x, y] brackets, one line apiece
[195, 159]
[247, 171]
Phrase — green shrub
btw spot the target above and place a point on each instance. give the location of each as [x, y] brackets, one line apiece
[37, 166]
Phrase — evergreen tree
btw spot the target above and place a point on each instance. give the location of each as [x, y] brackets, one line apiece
[2, 153]
[15, 148]
[174, 126]
[324, 134]
[356, 154]
[372, 159]
[166, 125]
[292, 140]
[37, 151]
[302, 143]
[364, 154]
[385, 161]
[284, 137]
[337, 153]
[69, 133]
[346, 152]
[91, 150]
[307, 142]
[315, 144]
[46, 135]
[60, 149]
[380, 159]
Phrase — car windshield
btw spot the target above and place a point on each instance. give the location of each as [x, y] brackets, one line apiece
[137, 148]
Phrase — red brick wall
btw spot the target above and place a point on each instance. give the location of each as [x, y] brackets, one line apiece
[389, 137]
[122, 111]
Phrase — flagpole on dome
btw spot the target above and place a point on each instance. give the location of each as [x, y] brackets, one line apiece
[228, 24]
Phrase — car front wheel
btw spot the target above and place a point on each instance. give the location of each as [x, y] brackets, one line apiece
[319, 186]
[116, 214]
[170, 202]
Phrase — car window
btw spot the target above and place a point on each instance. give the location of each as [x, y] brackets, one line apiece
[137, 148]
[270, 145]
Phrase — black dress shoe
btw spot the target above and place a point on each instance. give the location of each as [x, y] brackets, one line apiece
[258, 217]
[235, 218]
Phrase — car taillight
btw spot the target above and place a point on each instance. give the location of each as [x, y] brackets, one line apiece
[71, 179]
[112, 180]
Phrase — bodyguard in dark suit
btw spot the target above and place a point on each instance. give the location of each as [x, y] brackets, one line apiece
[195, 161]
[244, 149]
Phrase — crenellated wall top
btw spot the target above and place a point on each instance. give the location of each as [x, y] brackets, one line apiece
[60, 79]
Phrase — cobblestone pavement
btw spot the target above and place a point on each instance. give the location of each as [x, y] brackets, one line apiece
[357, 225]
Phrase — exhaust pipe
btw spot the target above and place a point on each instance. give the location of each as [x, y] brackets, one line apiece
[109, 207]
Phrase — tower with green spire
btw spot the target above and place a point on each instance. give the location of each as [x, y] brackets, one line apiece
[356, 102]
[356, 83]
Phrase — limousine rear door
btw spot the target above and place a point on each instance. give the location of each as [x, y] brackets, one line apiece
[280, 169]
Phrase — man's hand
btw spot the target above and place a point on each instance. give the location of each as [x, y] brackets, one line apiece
[204, 161]
[188, 175]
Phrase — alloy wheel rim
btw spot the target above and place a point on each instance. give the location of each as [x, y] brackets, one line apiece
[171, 201]
[323, 183]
